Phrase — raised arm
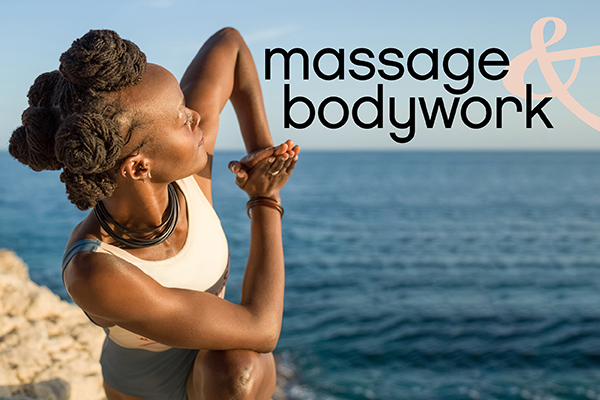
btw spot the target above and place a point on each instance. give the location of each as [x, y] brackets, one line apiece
[224, 70]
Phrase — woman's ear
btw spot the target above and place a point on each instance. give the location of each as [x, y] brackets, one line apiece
[135, 167]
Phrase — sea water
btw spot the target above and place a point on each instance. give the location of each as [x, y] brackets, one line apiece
[409, 275]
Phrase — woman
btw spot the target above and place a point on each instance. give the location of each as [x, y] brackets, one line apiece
[149, 265]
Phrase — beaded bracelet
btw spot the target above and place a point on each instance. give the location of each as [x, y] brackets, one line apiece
[263, 201]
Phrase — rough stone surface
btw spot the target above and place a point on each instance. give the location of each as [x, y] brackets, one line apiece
[48, 348]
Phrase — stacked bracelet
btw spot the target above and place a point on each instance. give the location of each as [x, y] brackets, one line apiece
[263, 201]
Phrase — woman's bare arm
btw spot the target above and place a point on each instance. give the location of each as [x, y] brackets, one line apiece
[224, 70]
[113, 290]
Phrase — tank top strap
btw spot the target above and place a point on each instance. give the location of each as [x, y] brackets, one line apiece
[92, 245]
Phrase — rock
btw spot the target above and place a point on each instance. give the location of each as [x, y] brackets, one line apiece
[55, 389]
[11, 264]
[48, 348]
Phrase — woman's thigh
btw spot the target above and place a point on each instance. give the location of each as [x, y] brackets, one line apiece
[232, 374]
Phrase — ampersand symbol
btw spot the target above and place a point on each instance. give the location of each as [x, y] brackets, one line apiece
[514, 81]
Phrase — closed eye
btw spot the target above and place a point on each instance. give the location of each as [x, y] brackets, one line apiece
[183, 109]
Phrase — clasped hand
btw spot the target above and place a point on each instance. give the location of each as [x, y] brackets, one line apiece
[264, 172]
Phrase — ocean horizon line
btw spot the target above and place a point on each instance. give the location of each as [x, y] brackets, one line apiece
[405, 150]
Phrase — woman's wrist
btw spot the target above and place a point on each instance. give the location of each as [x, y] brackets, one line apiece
[260, 146]
[273, 195]
[263, 201]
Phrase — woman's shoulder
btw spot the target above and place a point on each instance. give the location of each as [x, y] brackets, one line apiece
[83, 253]
[87, 229]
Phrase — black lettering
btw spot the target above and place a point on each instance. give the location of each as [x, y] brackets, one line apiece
[391, 63]
[338, 73]
[287, 106]
[500, 102]
[537, 110]
[362, 63]
[433, 56]
[438, 105]
[410, 123]
[378, 103]
[465, 118]
[286, 59]
[500, 63]
[345, 112]
[469, 72]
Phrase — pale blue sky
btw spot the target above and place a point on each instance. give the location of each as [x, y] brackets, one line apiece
[33, 34]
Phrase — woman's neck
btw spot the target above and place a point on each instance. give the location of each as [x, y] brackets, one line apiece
[139, 205]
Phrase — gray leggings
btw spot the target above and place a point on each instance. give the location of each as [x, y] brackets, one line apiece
[147, 374]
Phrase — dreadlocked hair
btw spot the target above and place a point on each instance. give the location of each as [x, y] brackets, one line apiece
[71, 124]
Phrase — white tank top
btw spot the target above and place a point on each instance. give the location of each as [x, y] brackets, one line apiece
[202, 264]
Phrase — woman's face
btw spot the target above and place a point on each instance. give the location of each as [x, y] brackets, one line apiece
[166, 130]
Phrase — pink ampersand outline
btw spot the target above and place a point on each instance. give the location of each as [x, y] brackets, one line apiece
[514, 81]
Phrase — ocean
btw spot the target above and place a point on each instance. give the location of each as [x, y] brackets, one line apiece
[409, 275]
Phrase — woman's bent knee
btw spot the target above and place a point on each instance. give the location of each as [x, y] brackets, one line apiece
[235, 370]
[231, 374]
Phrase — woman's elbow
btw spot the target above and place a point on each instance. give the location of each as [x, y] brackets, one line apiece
[269, 336]
[230, 33]
[267, 346]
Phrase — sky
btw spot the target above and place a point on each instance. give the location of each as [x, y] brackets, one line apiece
[33, 34]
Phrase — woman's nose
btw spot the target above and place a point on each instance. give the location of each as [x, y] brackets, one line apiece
[195, 119]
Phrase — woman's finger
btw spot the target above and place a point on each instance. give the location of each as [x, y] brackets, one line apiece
[241, 177]
[278, 164]
[292, 164]
[293, 150]
[281, 149]
[257, 156]
[235, 166]
[287, 163]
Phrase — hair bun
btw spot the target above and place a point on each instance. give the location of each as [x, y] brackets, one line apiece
[41, 93]
[88, 143]
[33, 143]
[101, 60]
[85, 191]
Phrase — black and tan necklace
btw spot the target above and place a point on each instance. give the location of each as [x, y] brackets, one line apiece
[138, 238]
